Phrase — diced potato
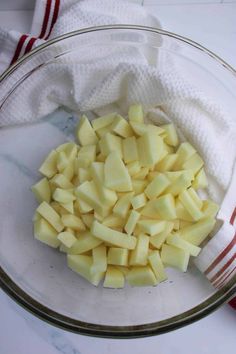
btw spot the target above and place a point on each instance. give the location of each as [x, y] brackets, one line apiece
[194, 163]
[157, 186]
[86, 153]
[58, 208]
[130, 150]
[123, 205]
[152, 227]
[49, 166]
[62, 161]
[139, 255]
[101, 158]
[175, 257]
[150, 146]
[115, 238]
[69, 171]
[179, 185]
[176, 224]
[121, 127]
[85, 133]
[69, 207]
[99, 259]
[70, 149]
[84, 175]
[87, 219]
[166, 163]
[142, 174]
[101, 122]
[60, 181]
[177, 241]
[42, 190]
[82, 207]
[131, 222]
[63, 196]
[114, 278]
[183, 223]
[138, 201]
[124, 270]
[141, 276]
[73, 221]
[157, 240]
[103, 131]
[139, 185]
[113, 221]
[82, 162]
[87, 192]
[196, 233]
[133, 168]
[157, 266]
[209, 208]
[48, 213]
[85, 242]
[117, 256]
[190, 205]
[141, 128]
[184, 152]
[116, 175]
[71, 231]
[110, 143]
[200, 180]
[45, 233]
[66, 238]
[165, 207]
[182, 212]
[173, 175]
[81, 264]
[171, 137]
[135, 113]
[195, 198]
[149, 210]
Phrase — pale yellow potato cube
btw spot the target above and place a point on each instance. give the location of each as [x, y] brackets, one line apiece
[85, 242]
[166, 163]
[179, 185]
[131, 222]
[116, 175]
[165, 207]
[87, 219]
[209, 208]
[69, 207]
[48, 213]
[103, 131]
[171, 134]
[49, 166]
[69, 171]
[182, 212]
[59, 180]
[58, 208]
[200, 180]
[69, 148]
[175, 257]
[98, 217]
[139, 255]
[45, 233]
[85, 133]
[157, 186]
[87, 192]
[190, 205]
[152, 175]
[114, 221]
[139, 201]
[115, 238]
[157, 266]
[81, 264]
[82, 162]
[71, 231]
[173, 175]
[142, 174]
[177, 241]
[121, 127]
[135, 113]
[86, 153]
[42, 190]
[84, 175]
[194, 163]
[183, 223]
[66, 238]
[99, 259]
[141, 128]
[152, 227]
[73, 221]
[117, 256]
[184, 152]
[133, 168]
[149, 210]
[62, 161]
[195, 198]
[82, 207]
[130, 149]
[100, 158]
[150, 146]
[157, 240]
[114, 278]
[110, 143]
[124, 270]
[197, 232]
[104, 121]
[139, 185]
[123, 205]
[141, 276]
[63, 196]
[176, 224]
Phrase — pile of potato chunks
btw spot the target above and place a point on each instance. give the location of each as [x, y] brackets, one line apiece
[123, 204]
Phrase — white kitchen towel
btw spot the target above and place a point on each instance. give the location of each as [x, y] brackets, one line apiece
[210, 129]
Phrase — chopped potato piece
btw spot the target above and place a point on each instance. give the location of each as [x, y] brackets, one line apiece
[190, 205]
[48, 213]
[84, 175]
[209, 208]
[157, 240]
[200, 180]
[139, 255]
[42, 190]
[113, 221]
[131, 222]
[180, 184]
[117, 256]
[150, 146]
[157, 186]
[121, 127]
[194, 163]
[66, 238]
[49, 166]
[184, 152]
[122, 206]
[85, 242]
[142, 174]
[102, 122]
[110, 143]
[86, 155]
[177, 241]
[87, 219]
[45, 233]
[175, 257]
[135, 113]
[60, 181]
[69, 207]
[62, 161]
[182, 212]
[152, 227]
[141, 276]
[99, 259]
[197, 232]
[165, 207]
[157, 266]
[63, 196]
[139, 185]
[130, 150]
[195, 198]
[166, 163]
[138, 201]
[133, 168]
[114, 278]
[171, 135]
[85, 133]
[117, 177]
[73, 221]
[82, 207]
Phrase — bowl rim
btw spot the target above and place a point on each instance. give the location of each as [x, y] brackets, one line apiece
[41, 311]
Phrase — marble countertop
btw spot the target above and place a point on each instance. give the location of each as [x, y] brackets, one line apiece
[213, 24]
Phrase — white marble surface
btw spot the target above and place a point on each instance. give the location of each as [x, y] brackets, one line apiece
[212, 24]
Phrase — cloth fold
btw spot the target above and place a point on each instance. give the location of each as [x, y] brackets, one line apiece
[127, 76]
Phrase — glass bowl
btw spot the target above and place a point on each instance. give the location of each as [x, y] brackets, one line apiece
[36, 276]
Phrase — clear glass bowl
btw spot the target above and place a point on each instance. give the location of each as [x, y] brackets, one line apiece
[35, 275]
